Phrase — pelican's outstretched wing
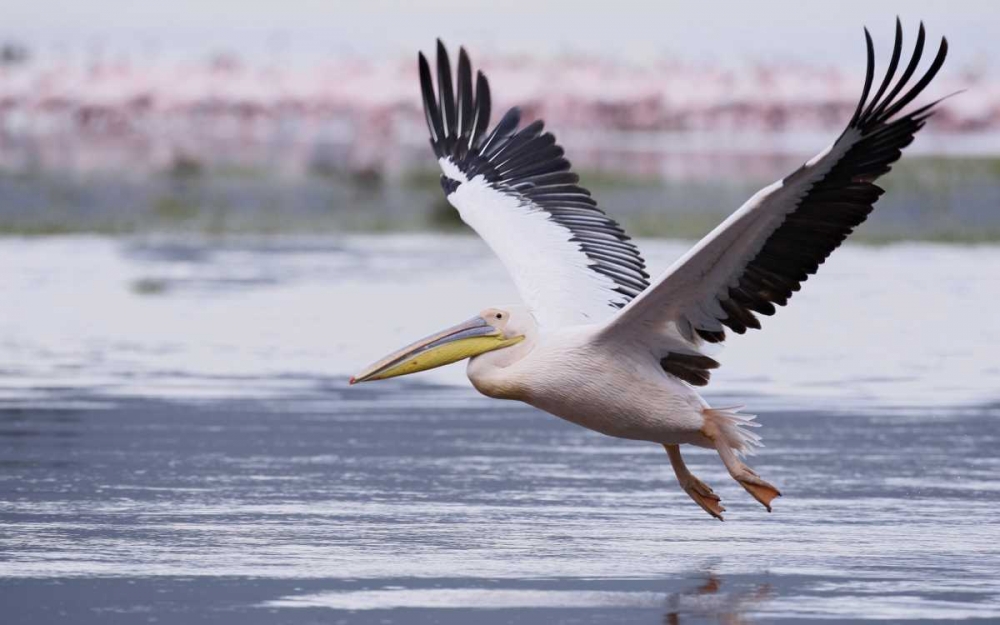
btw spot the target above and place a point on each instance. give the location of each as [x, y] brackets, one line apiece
[571, 263]
[762, 253]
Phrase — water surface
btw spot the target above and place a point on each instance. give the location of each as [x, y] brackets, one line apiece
[178, 444]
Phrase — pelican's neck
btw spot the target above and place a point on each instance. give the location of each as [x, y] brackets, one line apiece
[494, 374]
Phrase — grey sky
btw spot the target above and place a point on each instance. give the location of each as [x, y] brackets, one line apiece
[828, 32]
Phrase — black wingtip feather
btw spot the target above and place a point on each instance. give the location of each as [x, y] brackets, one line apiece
[446, 99]
[918, 50]
[466, 103]
[916, 90]
[897, 49]
[869, 76]
[431, 112]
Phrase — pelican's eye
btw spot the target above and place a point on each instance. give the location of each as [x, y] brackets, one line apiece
[499, 315]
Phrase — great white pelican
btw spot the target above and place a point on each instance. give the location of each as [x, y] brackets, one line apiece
[595, 342]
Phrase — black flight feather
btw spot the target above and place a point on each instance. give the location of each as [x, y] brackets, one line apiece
[838, 202]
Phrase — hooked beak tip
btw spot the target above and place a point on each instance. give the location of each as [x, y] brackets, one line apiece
[352, 381]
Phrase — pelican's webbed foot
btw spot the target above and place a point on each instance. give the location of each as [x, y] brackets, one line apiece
[699, 491]
[718, 428]
[761, 490]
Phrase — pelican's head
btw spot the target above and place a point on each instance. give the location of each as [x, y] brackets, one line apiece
[490, 330]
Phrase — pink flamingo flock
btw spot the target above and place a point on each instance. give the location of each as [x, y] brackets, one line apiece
[662, 119]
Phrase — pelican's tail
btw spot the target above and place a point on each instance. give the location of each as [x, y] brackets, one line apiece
[734, 428]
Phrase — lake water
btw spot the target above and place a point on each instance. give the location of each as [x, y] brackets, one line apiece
[178, 445]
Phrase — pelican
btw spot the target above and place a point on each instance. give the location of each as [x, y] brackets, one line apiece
[595, 342]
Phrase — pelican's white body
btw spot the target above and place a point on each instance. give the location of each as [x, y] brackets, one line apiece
[609, 387]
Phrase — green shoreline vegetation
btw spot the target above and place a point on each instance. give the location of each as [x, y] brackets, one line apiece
[940, 199]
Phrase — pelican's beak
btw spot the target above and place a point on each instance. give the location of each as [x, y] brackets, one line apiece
[465, 340]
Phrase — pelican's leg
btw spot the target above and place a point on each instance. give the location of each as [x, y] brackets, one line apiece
[695, 488]
[747, 477]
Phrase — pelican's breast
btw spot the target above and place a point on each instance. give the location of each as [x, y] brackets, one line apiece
[598, 386]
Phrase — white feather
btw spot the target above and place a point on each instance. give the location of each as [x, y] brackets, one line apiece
[451, 170]
[551, 272]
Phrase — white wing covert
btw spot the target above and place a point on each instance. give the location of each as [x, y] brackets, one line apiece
[571, 263]
[760, 255]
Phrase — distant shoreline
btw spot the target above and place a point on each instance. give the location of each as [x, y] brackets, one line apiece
[951, 199]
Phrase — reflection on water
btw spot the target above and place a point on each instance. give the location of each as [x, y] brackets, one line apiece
[707, 599]
[195, 455]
